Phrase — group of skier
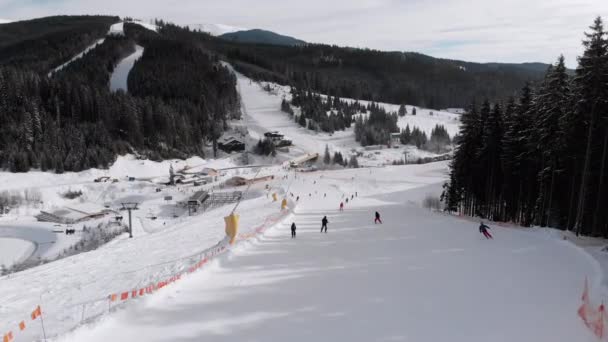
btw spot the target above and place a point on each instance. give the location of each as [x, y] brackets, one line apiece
[325, 221]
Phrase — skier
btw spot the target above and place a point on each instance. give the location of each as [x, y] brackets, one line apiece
[293, 230]
[298, 199]
[341, 206]
[484, 230]
[377, 218]
[324, 223]
[346, 200]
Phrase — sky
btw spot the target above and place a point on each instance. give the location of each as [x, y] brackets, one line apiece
[471, 30]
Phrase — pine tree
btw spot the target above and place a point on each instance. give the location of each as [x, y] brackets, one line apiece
[590, 86]
[402, 110]
[353, 162]
[327, 156]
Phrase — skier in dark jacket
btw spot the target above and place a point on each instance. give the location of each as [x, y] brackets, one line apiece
[377, 218]
[483, 229]
[324, 223]
[293, 230]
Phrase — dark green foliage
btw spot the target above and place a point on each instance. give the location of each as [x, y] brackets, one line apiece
[266, 147]
[543, 159]
[339, 159]
[72, 122]
[286, 107]
[326, 156]
[377, 127]
[353, 162]
[96, 66]
[258, 36]
[45, 43]
[315, 108]
[402, 110]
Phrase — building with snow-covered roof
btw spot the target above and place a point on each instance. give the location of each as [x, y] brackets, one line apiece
[73, 214]
[231, 144]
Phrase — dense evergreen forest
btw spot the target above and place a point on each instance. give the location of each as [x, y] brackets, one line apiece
[393, 77]
[541, 159]
[43, 44]
[72, 121]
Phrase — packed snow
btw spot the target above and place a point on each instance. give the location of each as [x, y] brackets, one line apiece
[419, 276]
[5, 21]
[14, 250]
[120, 75]
[118, 28]
[262, 113]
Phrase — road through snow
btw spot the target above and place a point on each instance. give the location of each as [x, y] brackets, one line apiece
[420, 276]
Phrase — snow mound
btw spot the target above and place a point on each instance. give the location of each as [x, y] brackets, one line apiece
[118, 28]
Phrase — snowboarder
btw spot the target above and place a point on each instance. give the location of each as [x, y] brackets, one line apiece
[298, 199]
[324, 223]
[293, 230]
[341, 206]
[377, 218]
[484, 230]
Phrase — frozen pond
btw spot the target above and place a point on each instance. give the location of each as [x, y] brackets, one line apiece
[121, 72]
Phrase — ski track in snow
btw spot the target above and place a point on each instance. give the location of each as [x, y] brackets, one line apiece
[120, 75]
[420, 276]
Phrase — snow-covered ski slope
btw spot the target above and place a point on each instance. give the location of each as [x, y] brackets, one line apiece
[262, 113]
[425, 119]
[118, 28]
[77, 287]
[420, 276]
[120, 75]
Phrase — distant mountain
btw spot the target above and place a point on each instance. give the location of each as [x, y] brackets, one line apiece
[535, 67]
[258, 36]
[216, 29]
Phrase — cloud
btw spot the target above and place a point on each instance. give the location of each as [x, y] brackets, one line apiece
[473, 30]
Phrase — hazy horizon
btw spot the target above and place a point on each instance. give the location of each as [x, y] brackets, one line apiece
[514, 31]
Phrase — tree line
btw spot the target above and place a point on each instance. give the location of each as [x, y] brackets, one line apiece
[540, 159]
[180, 100]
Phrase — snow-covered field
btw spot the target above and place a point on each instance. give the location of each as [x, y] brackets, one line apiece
[263, 113]
[14, 250]
[420, 276]
[425, 119]
[118, 28]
